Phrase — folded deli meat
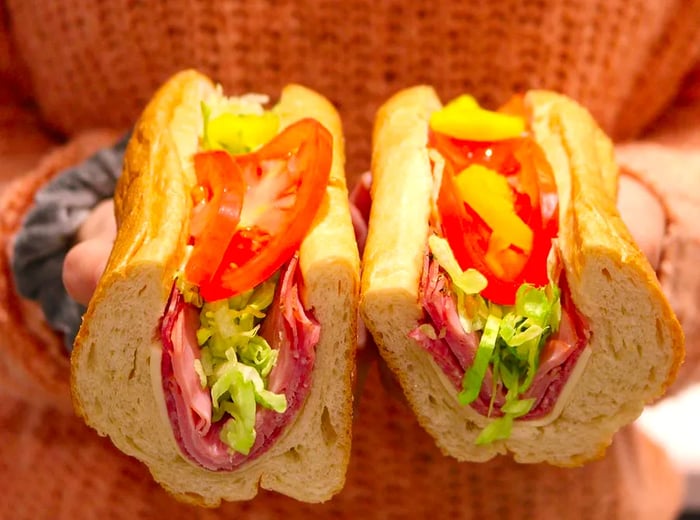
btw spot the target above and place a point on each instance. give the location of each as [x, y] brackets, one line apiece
[290, 332]
[455, 350]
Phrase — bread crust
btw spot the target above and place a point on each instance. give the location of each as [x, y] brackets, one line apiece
[111, 380]
[636, 345]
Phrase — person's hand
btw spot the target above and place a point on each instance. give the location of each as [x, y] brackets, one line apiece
[85, 262]
[644, 216]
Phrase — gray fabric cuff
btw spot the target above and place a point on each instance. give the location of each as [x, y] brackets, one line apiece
[49, 230]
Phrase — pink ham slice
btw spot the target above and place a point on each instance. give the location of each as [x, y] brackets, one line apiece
[453, 349]
[289, 328]
[185, 352]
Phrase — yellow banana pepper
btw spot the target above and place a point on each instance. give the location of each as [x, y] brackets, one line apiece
[463, 118]
[242, 133]
[487, 192]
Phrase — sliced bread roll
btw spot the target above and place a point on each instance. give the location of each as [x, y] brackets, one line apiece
[636, 343]
[116, 377]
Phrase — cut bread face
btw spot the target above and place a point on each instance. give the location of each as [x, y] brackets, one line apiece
[116, 360]
[636, 343]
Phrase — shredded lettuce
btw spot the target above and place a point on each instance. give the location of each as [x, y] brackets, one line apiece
[232, 394]
[189, 291]
[235, 362]
[471, 307]
[512, 338]
[470, 281]
[474, 376]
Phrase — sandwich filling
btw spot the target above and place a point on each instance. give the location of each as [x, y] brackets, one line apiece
[238, 343]
[498, 317]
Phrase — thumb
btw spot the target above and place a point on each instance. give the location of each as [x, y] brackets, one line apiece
[83, 266]
[644, 216]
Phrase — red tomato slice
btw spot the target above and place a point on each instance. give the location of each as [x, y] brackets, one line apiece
[287, 181]
[459, 221]
[494, 155]
[215, 217]
[538, 181]
[535, 203]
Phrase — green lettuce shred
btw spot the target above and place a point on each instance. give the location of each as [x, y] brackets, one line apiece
[235, 362]
[189, 291]
[466, 285]
[512, 338]
[470, 281]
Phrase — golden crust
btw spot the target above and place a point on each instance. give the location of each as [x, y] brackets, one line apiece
[393, 257]
[636, 341]
[397, 236]
[330, 266]
[149, 222]
[596, 223]
[119, 336]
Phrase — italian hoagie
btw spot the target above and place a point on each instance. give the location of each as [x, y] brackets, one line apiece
[500, 283]
[219, 345]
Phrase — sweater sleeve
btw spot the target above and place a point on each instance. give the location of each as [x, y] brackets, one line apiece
[48, 231]
[667, 161]
[33, 360]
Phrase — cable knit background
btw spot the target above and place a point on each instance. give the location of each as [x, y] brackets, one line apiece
[96, 63]
[88, 64]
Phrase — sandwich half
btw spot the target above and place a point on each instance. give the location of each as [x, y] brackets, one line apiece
[218, 348]
[500, 283]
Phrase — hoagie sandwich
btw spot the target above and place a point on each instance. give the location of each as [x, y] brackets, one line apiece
[219, 345]
[500, 283]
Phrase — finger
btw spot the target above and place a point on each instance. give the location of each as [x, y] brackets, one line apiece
[83, 266]
[100, 224]
[644, 216]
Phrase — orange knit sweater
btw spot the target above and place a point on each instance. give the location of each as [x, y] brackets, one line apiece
[77, 71]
